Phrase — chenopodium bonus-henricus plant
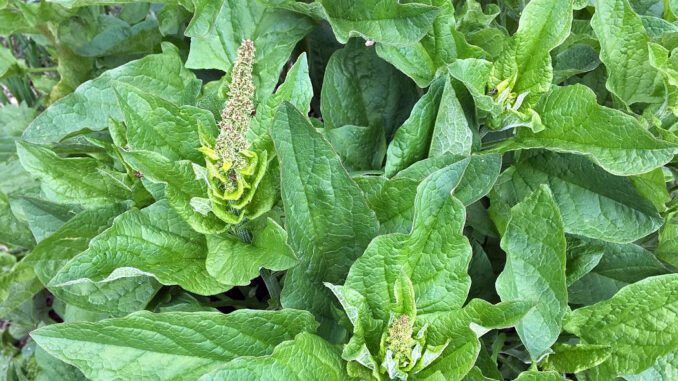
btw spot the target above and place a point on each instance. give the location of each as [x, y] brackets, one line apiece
[234, 167]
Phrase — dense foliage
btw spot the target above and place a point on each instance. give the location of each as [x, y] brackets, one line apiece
[339, 190]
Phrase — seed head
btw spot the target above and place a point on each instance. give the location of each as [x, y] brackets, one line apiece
[400, 340]
[237, 114]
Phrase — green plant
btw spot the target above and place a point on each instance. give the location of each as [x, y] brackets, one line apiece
[369, 190]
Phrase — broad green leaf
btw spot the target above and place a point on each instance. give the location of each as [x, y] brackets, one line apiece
[184, 185]
[119, 296]
[12, 21]
[526, 61]
[297, 89]
[356, 351]
[583, 255]
[667, 249]
[592, 202]
[436, 126]
[360, 148]
[15, 181]
[652, 186]
[533, 375]
[649, 7]
[39, 266]
[381, 21]
[107, 35]
[13, 230]
[94, 102]
[441, 45]
[475, 75]
[479, 177]
[16, 287]
[78, 180]
[154, 124]
[52, 368]
[393, 199]
[624, 51]
[461, 351]
[44, 217]
[474, 375]
[576, 59]
[73, 71]
[84, 3]
[170, 346]
[620, 265]
[71, 239]
[667, 65]
[495, 316]
[116, 297]
[219, 27]
[576, 358]
[307, 357]
[7, 62]
[666, 368]
[232, 261]
[330, 225]
[360, 89]
[435, 255]
[13, 119]
[575, 123]
[412, 139]
[534, 241]
[153, 241]
[637, 323]
[451, 133]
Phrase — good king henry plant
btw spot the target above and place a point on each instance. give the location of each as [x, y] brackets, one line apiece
[379, 190]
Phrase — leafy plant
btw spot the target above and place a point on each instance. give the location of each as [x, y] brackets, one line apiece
[342, 190]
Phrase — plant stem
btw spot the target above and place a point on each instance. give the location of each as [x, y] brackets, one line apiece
[41, 69]
[273, 287]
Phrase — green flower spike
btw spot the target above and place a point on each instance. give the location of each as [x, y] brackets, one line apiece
[234, 168]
